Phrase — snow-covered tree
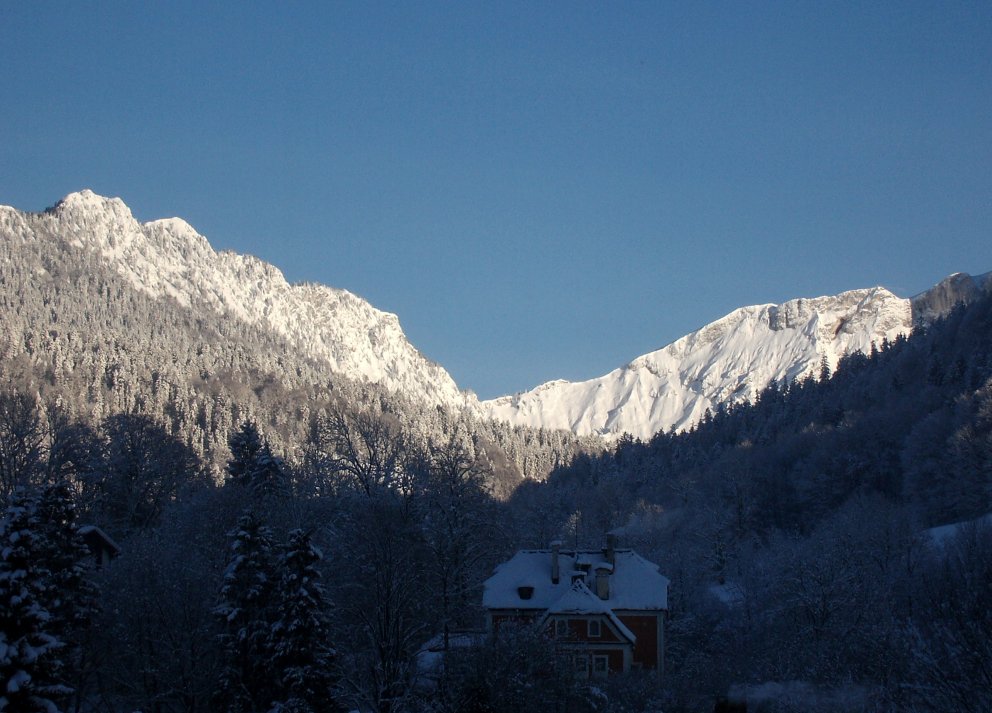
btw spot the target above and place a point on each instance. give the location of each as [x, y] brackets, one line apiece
[21, 441]
[253, 464]
[46, 600]
[382, 606]
[268, 478]
[30, 664]
[247, 682]
[367, 449]
[246, 446]
[302, 656]
[951, 647]
[72, 596]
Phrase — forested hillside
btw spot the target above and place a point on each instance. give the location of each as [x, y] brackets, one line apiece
[289, 538]
[794, 529]
[77, 333]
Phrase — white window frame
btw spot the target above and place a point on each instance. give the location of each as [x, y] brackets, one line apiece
[582, 665]
[595, 628]
[600, 665]
[561, 628]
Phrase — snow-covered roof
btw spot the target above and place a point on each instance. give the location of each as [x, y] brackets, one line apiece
[92, 531]
[635, 583]
[729, 593]
[942, 535]
[430, 657]
[580, 600]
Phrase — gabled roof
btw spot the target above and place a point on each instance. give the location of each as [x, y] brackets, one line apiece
[635, 583]
[579, 600]
[94, 536]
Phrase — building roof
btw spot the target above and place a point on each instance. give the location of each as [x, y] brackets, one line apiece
[579, 600]
[635, 583]
[94, 535]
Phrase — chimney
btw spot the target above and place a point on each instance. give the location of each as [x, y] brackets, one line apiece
[603, 571]
[611, 548]
[555, 550]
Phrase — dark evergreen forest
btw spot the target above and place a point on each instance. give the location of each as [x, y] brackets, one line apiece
[295, 558]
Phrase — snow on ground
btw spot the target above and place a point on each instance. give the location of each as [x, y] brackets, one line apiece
[801, 696]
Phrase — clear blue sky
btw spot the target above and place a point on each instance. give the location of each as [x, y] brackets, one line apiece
[539, 190]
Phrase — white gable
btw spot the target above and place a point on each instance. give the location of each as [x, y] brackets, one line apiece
[578, 600]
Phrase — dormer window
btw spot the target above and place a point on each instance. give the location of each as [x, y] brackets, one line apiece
[525, 592]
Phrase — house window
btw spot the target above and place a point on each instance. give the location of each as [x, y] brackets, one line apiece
[561, 628]
[600, 666]
[582, 666]
[595, 629]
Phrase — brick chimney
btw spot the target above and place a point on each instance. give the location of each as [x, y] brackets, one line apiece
[555, 568]
[611, 548]
[603, 571]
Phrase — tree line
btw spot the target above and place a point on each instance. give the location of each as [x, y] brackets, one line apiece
[794, 528]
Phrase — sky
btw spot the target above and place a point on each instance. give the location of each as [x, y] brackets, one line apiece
[539, 190]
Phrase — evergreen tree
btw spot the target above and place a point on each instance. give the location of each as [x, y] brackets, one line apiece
[45, 600]
[71, 599]
[246, 446]
[268, 477]
[74, 595]
[302, 654]
[254, 466]
[247, 684]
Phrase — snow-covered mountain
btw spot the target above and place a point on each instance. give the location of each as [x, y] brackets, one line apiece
[728, 361]
[169, 259]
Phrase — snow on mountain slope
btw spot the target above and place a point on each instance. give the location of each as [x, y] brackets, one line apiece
[168, 258]
[729, 360]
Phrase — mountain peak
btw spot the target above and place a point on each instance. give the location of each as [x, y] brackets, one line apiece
[176, 226]
[94, 219]
[87, 200]
[729, 360]
[168, 259]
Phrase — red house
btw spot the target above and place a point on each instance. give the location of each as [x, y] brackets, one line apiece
[607, 606]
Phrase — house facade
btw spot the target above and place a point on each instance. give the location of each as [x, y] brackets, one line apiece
[607, 607]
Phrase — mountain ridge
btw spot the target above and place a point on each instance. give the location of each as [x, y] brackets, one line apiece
[168, 257]
[673, 387]
[726, 361]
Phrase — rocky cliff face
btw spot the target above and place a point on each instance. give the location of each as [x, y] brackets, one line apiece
[942, 297]
[168, 259]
